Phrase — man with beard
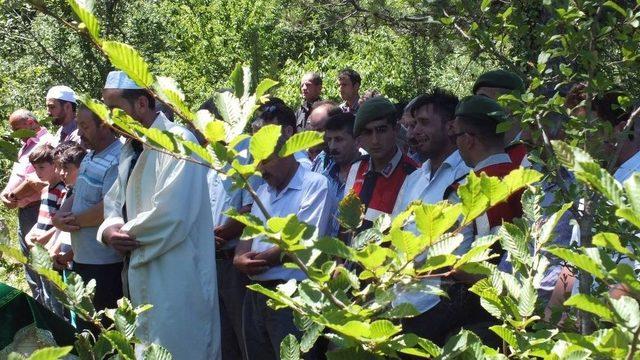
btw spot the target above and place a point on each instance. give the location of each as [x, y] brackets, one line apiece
[289, 188]
[158, 215]
[310, 87]
[61, 107]
[430, 136]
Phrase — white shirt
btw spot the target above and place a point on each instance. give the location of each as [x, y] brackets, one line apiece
[307, 196]
[629, 167]
[421, 185]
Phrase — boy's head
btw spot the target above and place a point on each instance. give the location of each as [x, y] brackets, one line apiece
[42, 160]
[67, 159]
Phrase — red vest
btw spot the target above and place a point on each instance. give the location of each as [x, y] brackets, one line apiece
[517, 152]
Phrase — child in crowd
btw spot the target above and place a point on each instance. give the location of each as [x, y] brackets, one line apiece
[67, 159]
[42, 161]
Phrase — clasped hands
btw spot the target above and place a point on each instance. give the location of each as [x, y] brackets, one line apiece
[119, 240]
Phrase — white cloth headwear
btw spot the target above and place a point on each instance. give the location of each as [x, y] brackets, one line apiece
[62, 92]
[120, 80]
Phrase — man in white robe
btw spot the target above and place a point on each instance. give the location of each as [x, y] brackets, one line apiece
[158, 214]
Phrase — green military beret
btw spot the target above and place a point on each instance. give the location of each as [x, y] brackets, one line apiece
[499, 79]
[480, 107]
[375, 108]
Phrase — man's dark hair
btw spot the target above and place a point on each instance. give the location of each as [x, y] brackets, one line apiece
[74, 106]
[352, 74]
[131, 95]
[94, 117]
[70, 154]
[315, 78]
[483, 129]
[275, 111]
[42, 154]
[443, 101]
[341, 121]
[608, 108]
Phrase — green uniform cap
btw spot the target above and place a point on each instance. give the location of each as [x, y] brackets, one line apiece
[499, 79]
[480, 107]
[373, 109]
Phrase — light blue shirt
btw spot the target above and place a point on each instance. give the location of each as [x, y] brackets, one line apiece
[96, 175]
[307, 196]
[422, 185]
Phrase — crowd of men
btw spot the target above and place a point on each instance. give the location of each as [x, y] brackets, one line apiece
[151, 227]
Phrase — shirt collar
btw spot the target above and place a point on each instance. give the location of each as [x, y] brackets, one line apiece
[34, 139]
[631, 165]
[391, 165]
[494, 159]
[70, 127]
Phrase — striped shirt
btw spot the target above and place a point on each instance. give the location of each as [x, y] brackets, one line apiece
[50, 202]
[96, 175]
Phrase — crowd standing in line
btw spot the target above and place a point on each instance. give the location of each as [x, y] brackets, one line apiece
[113, 210]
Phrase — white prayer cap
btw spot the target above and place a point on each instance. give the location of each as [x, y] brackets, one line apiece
[61, 92]
[120, 80]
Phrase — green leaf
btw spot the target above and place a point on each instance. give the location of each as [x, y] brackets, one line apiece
[610, 241]
[127, 59]
[310, 336]
[632, 190]
[124, 318]
[200, 152]
[527, 300]
[600, 179]
[301, 141]
[236, 81]
[615, 7]
[446, 246]
[628, 311]
[97, 107]
[333, 247]
[382, 330]
[264, 86]
[83, 346]
[629, 215]
[22, 134]
[102, 347]
[433, 220]
[514, 240]
[231, 112]
[289, 348]
[264, 141]
[86, 16]
[169, 92]
[50, 353]
[507, 335]
[400, 311]
[590, 304]
[437, 262]
[13, 253]
[405, 242]
[578, 260]
[156, 352]
[120, 344]
[162, 139]
[484, 6]
[350, 211]
[546, 232]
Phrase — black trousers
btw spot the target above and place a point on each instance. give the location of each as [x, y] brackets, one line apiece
[462, 310]
[108, 286]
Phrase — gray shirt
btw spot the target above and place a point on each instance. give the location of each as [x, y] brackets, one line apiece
[97, 173]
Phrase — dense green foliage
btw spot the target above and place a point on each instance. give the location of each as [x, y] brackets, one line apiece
[553, 42]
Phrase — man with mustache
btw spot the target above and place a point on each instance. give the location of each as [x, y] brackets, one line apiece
[61, 107]
[430, 136]
[289, 188]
